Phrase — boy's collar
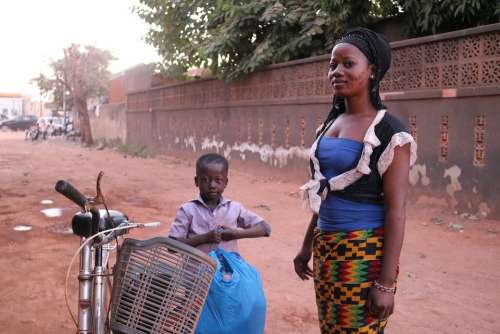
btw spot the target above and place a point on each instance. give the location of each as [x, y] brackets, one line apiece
[222, 201]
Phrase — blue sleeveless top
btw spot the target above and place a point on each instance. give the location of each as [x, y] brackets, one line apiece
[337, 155]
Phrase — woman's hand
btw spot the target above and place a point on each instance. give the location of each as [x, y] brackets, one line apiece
[380, 304]
[301, 265]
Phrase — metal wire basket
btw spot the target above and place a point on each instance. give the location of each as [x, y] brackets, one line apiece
[160, 286]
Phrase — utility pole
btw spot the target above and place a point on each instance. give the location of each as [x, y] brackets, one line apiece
[64, 111]
[41, 105]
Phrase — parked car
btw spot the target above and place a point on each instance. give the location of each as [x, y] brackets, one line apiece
[58, 127]
[19, 123]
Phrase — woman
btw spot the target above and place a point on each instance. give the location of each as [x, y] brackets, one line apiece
[360, 166]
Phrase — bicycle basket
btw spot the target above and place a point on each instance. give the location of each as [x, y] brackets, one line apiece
[160, 286]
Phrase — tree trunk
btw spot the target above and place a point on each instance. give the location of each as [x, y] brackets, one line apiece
[83, 115]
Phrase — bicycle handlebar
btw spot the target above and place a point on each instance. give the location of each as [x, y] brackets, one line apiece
[67, 190]
[93, 228]
[124, 228]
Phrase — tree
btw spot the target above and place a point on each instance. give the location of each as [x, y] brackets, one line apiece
[248, 36]
[177, 29]
[235, 37]
[55, 88]
[83, 73]
[431, 17]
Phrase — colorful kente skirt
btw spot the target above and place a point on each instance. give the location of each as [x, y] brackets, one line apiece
[345, 265]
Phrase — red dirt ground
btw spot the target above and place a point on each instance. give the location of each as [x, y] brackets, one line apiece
[449, 281]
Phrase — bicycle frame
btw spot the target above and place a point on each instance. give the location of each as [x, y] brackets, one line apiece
[163, 295]
[85, 290]
[92, 290]
[92, 313]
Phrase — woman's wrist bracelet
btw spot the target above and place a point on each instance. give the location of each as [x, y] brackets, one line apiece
[383, 288]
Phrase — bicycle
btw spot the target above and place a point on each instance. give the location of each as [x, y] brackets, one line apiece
[157, 285]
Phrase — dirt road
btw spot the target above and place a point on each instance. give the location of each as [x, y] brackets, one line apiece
[449, 281]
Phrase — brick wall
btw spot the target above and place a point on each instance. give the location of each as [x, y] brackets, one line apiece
[109, 122]
[445, 87]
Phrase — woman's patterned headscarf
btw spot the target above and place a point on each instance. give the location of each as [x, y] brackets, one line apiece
[378, 52]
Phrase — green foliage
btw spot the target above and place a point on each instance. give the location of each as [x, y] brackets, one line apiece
[135, 150]
[56, 89]
[44, 83]
[431, 17]
[349, 14]
[82, 73]
[236, 37]
[248, 36]
[177, 29]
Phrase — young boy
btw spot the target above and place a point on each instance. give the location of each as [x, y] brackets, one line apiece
[212, 221]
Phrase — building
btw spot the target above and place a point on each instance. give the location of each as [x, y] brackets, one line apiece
[12, 105]
[137, 78]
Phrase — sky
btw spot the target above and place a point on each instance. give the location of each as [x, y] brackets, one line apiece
[34, 32]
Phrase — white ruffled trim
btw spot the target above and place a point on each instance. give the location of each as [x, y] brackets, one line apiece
[318, 129]
[370, 141]
[398, 139]
[310, 198]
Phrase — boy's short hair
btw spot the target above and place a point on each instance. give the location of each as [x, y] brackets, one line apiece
[211, 158]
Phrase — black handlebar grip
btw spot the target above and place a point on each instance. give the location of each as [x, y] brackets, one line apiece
[66, 189]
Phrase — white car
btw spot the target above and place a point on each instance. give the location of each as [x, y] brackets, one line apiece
[57, 124]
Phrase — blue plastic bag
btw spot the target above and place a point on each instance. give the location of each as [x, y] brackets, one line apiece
[236, 301]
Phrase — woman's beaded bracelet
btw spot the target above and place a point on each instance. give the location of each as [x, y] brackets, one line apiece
[383, 288]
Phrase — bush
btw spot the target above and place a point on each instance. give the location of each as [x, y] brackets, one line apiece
[135, 150]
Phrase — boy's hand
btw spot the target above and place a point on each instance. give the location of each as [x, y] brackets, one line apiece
[213, 236]
[228, 233]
